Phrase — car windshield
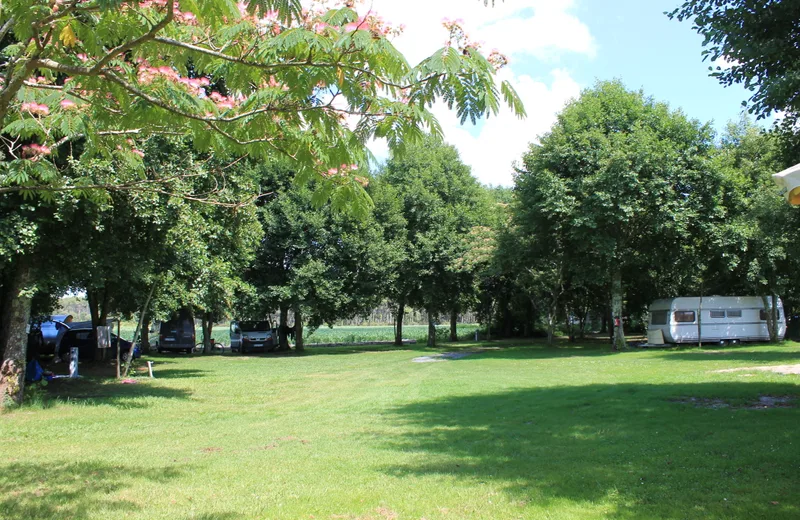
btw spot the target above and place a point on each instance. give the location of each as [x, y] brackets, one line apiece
[254, 326]
[176, 327]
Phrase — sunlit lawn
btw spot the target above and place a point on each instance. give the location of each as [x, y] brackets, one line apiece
[521, 431]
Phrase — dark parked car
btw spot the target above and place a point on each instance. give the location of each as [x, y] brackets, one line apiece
[82, 336]
[176, 335]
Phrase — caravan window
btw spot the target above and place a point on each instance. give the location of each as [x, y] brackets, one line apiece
[684, 316]
[762, 315]
[659, 317]
[735, 313]
[717, 314]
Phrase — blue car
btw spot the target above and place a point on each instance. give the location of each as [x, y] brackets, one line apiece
[43, 332]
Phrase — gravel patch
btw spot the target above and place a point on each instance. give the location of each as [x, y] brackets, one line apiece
[778, 369]
[444, 356]
[762, 403]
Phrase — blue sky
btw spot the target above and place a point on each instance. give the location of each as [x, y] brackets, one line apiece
[639, 44]
[557, 48]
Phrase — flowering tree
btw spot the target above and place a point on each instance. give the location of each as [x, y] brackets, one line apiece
[263, 78]
[86, 78]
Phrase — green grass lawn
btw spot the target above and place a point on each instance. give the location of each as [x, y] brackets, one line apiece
[519, 431]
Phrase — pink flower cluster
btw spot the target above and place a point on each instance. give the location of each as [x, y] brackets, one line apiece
[375, 24]
[459, 39]
[67, 104]
[34, 151]
[223, 102]
[182, 17]
[39, 80]
[341, 170]
[497, 59]
[35, 108]
[147, 74]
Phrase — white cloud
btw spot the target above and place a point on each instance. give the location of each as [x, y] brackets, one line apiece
[503, 139]
[540, 29]
[515, 27]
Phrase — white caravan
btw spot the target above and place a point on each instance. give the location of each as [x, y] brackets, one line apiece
[723, 319]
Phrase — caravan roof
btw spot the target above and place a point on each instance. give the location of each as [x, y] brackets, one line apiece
[709, 302]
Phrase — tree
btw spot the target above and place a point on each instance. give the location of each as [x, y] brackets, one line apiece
[439, 201]
[617, 181]
[754, 247]
[266, 78]
[321, 264]
[757, 39]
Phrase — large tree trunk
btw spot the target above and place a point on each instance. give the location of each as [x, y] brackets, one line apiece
[6, 299]
[398, 331]
[12, 370]
[145, 346]
[489, 321]
[454, 324]
[551, 324]
[431, 330]
[283, 327]
[604, 323]
[298, 329]
[772, 316]
[94, 311]
[616, 309]
[208, 328]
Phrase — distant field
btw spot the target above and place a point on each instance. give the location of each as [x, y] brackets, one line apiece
[346, 334]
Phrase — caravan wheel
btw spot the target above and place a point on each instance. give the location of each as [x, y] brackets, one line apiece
[723, 342]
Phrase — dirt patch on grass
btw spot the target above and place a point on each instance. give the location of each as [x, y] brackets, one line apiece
[762, 403]
[446, 356]
[778, 369]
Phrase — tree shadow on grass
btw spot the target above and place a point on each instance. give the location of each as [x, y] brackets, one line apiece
[639, 451]
[65, 489]
[94, 391]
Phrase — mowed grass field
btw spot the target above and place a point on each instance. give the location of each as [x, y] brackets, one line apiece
[513, 431]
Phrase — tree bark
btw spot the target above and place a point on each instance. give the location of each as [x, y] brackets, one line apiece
[772, 316]
[283, 337]
[454, 325]
[12, 370]
[207, 326]
[145, 346]
[398, 332]
[616, 309]
[298, 329]
[100, 353]
[604, 324]
[774, 312]
[94, 313]
[489, 321]
[431, 330]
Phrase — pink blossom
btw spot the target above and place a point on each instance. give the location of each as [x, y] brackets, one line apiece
[138, 152]
[67, 104]
[83, 57]
[35, 108]
[35, 150]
